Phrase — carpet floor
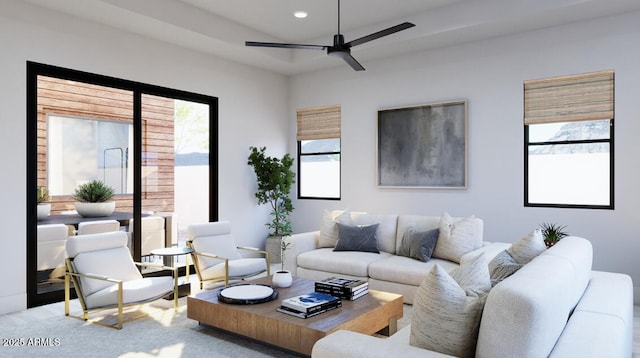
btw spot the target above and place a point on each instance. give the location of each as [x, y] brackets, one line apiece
[152, 330]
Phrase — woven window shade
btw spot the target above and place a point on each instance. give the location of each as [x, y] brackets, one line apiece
[319, 123]
[582, 97]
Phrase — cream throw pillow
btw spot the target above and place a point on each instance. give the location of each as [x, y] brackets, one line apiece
[328, 229]
[527, 248]
[448, 307]
[458, 237]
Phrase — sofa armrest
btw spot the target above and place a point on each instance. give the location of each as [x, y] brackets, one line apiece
[299, 243]
[348, 344]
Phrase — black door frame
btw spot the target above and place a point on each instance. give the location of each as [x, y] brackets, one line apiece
[37, 69]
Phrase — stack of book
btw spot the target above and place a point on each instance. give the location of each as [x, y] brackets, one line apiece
[309, 305]
[342, 287]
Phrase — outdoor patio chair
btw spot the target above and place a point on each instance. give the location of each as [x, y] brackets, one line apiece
[105, 276]
[51, 252]
[152, 232]
[95, 227]
[217, 258]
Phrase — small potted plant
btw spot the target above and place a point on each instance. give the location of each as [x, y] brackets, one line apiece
[552, 233]
[44, 207]
[282, 277]
[94, 199]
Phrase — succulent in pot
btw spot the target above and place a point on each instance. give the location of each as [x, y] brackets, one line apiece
[552, 233]
[44, 207]
[93, 199]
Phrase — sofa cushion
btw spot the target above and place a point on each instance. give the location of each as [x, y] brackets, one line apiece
[139, 290]
[418, 245]
[405, 270]
[530, 246]
[458, 237]
[386, 232]
[357, 238]
[328, 230]
[447, 308]
[353, 263]
[113, 263]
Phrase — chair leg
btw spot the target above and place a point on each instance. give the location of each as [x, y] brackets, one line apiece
[119, 326]
[66, 294]
[175, 290]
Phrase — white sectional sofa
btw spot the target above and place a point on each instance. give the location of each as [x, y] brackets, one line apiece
[385, 271]
[555, 306]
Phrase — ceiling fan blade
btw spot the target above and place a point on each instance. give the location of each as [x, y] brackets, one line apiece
[283, 45]
[379, 34]
[346, 56]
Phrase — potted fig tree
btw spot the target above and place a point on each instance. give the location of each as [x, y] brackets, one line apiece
[93, 199]
[275, 179]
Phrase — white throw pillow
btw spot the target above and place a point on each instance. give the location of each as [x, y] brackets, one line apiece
[527, 248]
[448, 307]
[458, 237]
[328, 230]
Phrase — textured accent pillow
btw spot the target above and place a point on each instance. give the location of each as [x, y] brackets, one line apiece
[357, 238]
[328, 230]
[527, 248]
[448, 307]
[418, 245]
[502, 266]
[458, 237]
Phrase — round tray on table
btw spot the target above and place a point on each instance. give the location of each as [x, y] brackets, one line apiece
[247, 294]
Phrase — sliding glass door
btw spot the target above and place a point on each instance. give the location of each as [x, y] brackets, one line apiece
[154, 147]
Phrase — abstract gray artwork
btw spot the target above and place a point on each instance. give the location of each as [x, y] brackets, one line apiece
[423, 146]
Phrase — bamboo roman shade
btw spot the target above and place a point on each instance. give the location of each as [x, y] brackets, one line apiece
[582, 97]
[319, 123]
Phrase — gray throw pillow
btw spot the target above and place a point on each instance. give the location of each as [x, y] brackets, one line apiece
[502, 266]
[357, 238]
[418, 245]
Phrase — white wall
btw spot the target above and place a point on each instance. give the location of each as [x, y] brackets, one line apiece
[253, 111]
[489, 75]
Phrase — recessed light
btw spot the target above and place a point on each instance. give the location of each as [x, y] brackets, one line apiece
[300, 14]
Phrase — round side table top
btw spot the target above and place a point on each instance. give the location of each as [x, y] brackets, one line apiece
[171, 251]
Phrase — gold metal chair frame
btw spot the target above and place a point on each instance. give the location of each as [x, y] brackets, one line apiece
[71, 275]
[226, 276]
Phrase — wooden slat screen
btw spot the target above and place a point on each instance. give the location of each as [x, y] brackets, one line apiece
[62, 97]
[582, 97]
[319, 123]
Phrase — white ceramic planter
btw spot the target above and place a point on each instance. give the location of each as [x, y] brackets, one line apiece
[90, 210]
[44, 210]
[282, 279]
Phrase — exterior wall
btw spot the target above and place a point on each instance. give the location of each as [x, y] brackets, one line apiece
[62, 97]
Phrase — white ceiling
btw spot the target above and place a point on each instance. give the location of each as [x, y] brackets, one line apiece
[220, 27]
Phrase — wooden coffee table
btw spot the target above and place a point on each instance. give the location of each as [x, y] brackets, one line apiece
[375, 312]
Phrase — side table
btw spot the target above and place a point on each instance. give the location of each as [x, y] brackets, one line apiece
[169, 256]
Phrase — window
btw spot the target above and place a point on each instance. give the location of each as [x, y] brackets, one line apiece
[568, 126]
[319, 153]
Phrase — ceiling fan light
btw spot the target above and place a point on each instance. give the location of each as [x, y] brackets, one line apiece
[300, 14]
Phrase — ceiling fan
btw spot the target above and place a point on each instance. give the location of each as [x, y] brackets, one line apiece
[340, 48]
